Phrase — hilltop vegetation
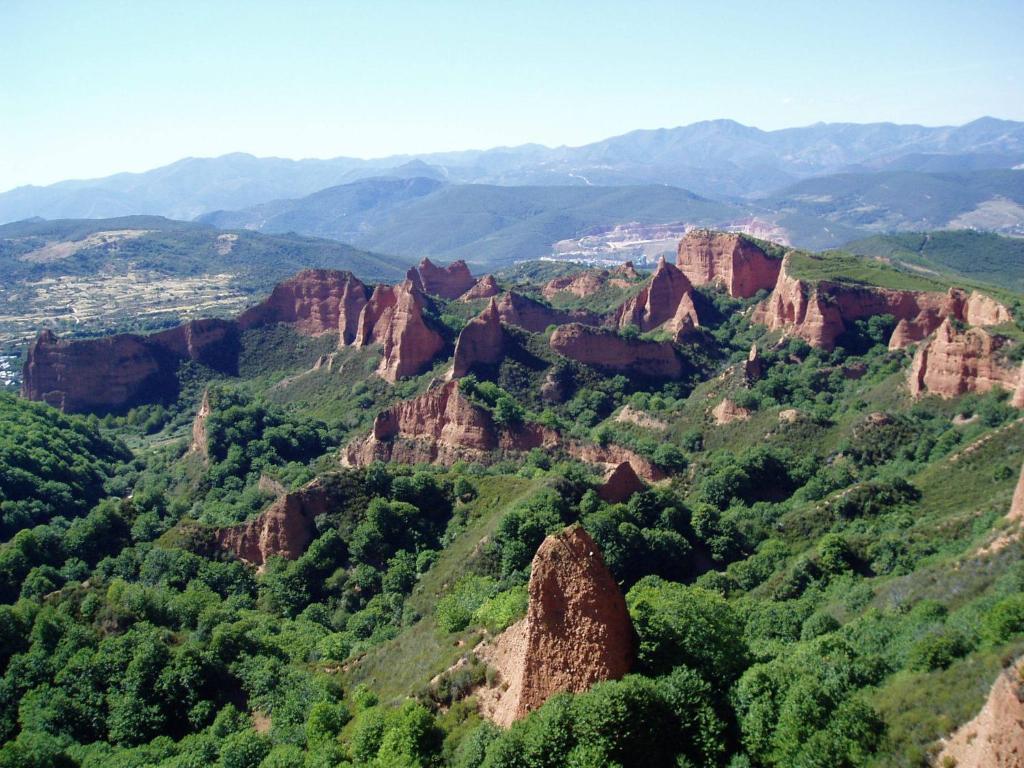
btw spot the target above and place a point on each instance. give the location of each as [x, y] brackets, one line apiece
[89, 276]
[486, 225]
[981, 256]
[830, 576]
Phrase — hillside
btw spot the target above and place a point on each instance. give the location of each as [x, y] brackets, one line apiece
[485, 225]
[828, 211]
[340, 532]
[971, 255]
[97, 275]
[713, 158]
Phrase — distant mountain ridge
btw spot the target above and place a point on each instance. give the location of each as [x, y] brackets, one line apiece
[717, 158]
[487, 225]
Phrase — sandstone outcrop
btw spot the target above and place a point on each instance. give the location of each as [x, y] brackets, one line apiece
[753, 367]
[667, 297]
[116, 372]
[283, 529]
[726, 412]
[995, 737]
[481, 342]
[953, 363]
[1017, 504]
[577, 630]
[393, 318]
[730, 260]
[447, 282]
[484, 288]
[315, 301]
[442, 426]
[620, 483]
[200, 443]
[590, 281]
[609, 351]
[523, 312]
[819, 312]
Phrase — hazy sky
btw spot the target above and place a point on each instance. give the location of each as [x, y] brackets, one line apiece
[92, 87]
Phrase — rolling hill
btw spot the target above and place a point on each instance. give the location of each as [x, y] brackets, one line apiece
[828, 211]
[981, 256]
[486, 225]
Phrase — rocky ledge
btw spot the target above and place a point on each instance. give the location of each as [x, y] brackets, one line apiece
[730, 260]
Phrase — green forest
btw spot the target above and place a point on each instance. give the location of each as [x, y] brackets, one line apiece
[809, 587]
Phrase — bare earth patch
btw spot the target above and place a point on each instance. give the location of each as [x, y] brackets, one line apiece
[98, 303]
[995, 737]
[62, 249]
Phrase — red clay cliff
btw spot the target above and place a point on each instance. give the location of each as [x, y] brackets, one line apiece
[730, 260]
[577, 630]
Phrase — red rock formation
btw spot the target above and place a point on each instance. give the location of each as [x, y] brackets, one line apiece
[608, 350]
[590, 281]
[442, 426]
[481, 342]
[393, 318]
[448, 282]
[200, 443]
[485, 288]
[668, 296]
[116, 372]
[1017, 504]
[953, 363]
[621, 483]
[523, 312]
[283, 529]
[726, 412]
[315, 301]
[995, 737]
[577, 630]
[730, 260]
[819, 312]
[753, 368]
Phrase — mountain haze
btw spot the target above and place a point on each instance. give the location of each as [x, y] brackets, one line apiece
[719, 158]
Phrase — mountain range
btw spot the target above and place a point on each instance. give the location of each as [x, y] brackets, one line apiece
[719, 158]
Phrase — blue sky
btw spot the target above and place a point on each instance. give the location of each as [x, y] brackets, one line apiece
[92, 87]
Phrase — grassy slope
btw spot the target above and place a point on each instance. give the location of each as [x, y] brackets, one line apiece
[970, 255]
[421, 651]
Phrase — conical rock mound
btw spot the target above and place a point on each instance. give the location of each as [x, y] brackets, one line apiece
[577, 630]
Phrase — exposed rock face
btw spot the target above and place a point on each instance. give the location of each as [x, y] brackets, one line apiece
[447, 282]
[441, 426]
[621, 483]
[995, 738]
[523, 312]
[819, 312]
[753, 368]
[669, 296]
[726, 412]
[119, 371]
[727, 259]
[610, 351]
[481, 342]
[285, 528]
[591, 281]
[200, 444]
[315, 301]
[1017, 505]
[485, 288]
[393, 318]
[953, 363]
[577, 630]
